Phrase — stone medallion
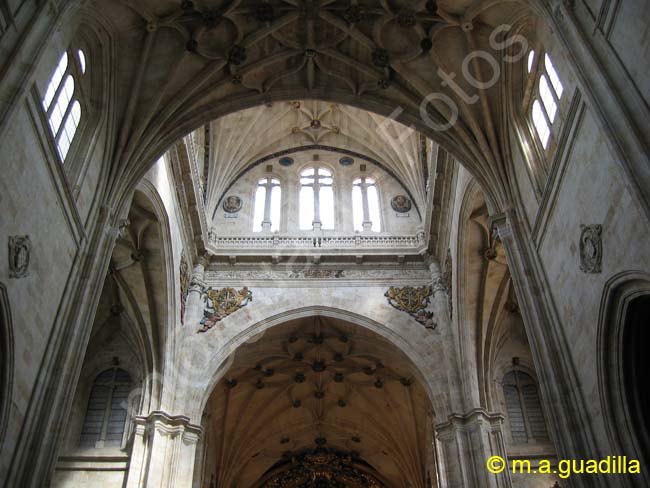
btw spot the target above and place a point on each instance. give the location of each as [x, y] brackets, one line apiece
[232, 204]
[401, 204]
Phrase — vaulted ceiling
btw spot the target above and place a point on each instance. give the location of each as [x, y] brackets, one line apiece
[238, 140]
[318, 386]
[181, 64]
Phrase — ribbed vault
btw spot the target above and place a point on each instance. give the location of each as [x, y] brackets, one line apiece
[181, 64]
[318, 386]
[240, 139]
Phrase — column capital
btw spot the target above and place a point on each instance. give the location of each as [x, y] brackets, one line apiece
[168, 425]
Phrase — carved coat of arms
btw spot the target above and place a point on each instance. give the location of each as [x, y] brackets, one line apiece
[414, 301]
[221, 303]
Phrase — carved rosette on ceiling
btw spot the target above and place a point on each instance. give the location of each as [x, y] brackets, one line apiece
[415, 302]
[591, 248]
[221, 303]
[323, 468]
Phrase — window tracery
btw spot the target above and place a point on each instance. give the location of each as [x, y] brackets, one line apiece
[365, 205]
[524, 408]
[106, 414]
[62, 103]
[316, 199]
[268, 204]
[547, 93]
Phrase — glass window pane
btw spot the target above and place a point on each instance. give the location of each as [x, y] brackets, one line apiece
[55, 81]
[306, 181]
[326, 181]
[308, 172]
[531, 58]
[327, 207]
[68, 91]
[258, 213]
[373, 208]
[547, 98]
[276, 206]
[324, 172]
[94, 420]
[555, 79]
[69, 130]
[56, 117]
[76, 113]
[82, 61]
[539, 121]
[306, 207]
[515, 414]
[357, 208]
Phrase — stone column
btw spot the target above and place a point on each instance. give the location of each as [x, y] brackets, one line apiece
[164, 451]
[464, 445]
[194, 305]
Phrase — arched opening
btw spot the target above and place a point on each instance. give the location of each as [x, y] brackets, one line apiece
[317, 400]
[6, 361]
[500, 373]
[118, 378]
[636, 364]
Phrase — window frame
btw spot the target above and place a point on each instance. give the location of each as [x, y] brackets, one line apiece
[73, 71]
[101, 441]
[519, 385]
[279, 223]
[538, 71]
[380, 216]
[316, 165]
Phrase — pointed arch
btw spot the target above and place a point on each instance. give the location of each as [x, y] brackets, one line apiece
[6, 360]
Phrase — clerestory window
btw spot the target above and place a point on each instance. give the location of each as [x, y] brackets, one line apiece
[62, 100]
[365, 205]
[316, 199]
[268, 204]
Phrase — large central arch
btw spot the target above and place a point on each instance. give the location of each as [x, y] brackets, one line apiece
[319, 384]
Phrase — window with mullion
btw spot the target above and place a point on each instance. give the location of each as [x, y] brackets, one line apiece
[61, 101]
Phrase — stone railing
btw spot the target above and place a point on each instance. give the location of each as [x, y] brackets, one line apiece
[286, 244]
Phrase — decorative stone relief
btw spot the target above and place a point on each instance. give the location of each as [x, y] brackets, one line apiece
[316, 273]
[401, 204]
[591, 248]
[184, 277]
[221, 303]
[414, 301]
[447, 280]
[232, 204]
[20, 248]
[310, 273]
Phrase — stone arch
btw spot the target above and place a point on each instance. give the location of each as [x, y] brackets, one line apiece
[419, 349]
[6, 360]
[626, 428]
[423, 393]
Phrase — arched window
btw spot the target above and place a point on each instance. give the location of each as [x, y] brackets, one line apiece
[524, 408]
[107, 409]
[546, 95]
[316, 199]
[365, 205]
[61, 100]
[268, 202]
